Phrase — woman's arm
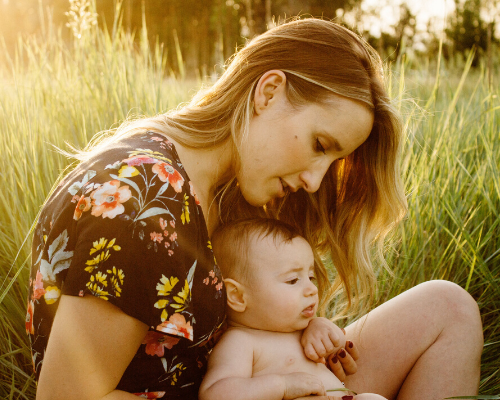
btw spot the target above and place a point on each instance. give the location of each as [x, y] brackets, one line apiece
[91, 344]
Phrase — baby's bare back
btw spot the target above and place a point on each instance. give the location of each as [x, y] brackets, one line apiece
[282, 353]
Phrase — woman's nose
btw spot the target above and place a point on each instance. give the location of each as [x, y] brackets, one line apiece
[311, 179]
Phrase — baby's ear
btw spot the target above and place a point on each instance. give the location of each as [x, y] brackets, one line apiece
[235, 292]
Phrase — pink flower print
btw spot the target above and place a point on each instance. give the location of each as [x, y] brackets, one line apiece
[156, 342]
[29, 318]
[172, 224]
[83, 205]
[167, 244]
[212, 273]
[214, 281]
[168, 173]
[219, 286]
[173, 237]
[150, 395]
[75, 198]
[107, 200]
[157, 139]
[206, 281]
[177, 325]
[38, 290]
[163, 224]
[156, 237]
[193, 193]
[139, 160]
[170, 252]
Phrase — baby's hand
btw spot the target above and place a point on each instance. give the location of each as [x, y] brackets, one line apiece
[299, 384]
[321, 338]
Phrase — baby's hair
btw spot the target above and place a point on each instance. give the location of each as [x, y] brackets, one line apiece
[231, 242]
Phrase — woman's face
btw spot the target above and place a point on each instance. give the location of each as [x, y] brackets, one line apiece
[290, 149]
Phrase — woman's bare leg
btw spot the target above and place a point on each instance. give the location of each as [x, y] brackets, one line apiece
[424, 344]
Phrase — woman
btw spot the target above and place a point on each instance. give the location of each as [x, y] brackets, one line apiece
[299, 128]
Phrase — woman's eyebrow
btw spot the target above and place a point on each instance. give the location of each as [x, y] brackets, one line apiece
[335, 143]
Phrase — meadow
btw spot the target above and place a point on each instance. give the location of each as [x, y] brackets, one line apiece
[54, 94]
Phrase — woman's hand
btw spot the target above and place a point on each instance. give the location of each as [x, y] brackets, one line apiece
[343, 362]
[325, 342]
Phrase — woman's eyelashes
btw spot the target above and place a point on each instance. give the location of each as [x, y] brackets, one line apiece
[319, 147]
[292, 281]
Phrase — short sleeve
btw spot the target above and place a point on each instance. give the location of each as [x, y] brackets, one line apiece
[137, 244]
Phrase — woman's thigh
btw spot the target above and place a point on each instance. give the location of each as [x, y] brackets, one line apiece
[409, 340]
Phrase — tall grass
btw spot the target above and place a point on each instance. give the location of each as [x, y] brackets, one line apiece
[52, 93]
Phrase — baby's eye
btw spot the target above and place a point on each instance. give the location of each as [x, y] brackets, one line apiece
[319, 147]
[292, 281]
[312, 278]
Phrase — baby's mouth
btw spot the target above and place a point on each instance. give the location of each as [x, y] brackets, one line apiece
[309, 311]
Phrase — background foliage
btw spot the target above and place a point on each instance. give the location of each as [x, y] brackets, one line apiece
[58, 88]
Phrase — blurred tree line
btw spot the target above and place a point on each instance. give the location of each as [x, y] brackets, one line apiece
[207, 31]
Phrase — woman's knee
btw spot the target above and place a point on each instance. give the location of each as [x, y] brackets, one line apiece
[456, 305]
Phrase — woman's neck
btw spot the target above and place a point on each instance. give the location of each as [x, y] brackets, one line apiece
[208, 169]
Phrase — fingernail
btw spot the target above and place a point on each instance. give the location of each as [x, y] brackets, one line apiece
[342, 353]
[347, 397]
[350, 344]
[335, 360]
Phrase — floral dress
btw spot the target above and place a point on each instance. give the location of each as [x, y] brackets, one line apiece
[126, 226]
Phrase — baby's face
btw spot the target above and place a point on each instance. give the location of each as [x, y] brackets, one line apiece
[282, 296]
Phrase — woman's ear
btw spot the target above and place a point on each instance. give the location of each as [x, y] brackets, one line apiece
[269, 87]
[235, 293]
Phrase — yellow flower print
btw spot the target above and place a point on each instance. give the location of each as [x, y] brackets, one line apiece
[161, 304]
[52, 293]
[182, 298]
[95, 288]
[127, 172]
[101, 282]
[185, 211]
[116, 280]
[100, 245]
[165, 287]
[96, 261]
[179, 367]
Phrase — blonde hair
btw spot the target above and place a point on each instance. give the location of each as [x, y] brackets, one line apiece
[361, 197]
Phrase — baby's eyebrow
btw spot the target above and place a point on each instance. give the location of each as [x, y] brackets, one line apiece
[298, 269]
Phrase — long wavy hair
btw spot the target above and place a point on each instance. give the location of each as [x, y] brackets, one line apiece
[361, 197]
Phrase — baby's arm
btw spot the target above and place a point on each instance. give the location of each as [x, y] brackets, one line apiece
[229, 375]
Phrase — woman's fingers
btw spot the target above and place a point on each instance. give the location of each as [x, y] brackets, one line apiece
[336, 367]
[348, 364]
[352, 349]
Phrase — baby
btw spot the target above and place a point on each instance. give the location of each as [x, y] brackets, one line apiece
[271, 298]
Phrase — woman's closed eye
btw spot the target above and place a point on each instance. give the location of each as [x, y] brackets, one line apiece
[319, 147]
[292, 281]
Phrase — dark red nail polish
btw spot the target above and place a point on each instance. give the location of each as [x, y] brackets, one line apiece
[335, 360]
[342, 353]
[347, 397]
[351, 344]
